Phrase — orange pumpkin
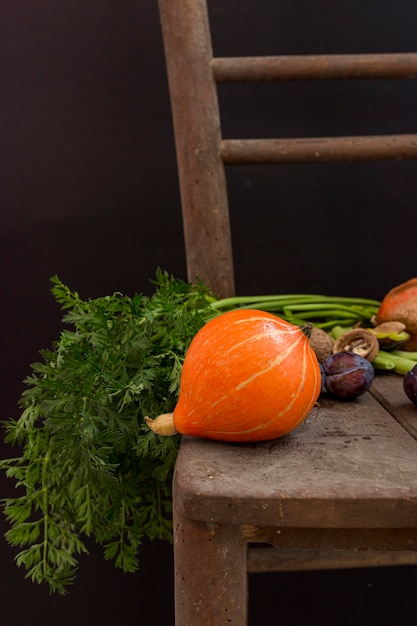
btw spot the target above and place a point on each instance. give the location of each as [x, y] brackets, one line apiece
[247, 376]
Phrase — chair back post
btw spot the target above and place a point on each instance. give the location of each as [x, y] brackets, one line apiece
[196, 119]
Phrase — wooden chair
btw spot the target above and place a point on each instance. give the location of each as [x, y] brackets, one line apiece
[341, 491]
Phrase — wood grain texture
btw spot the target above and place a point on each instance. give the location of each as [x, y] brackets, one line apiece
[315, 67]
[210, 573]
[338, 492]
[388, 391]
[196, 119]
[262, 560]
[349, 465]
[318, 149]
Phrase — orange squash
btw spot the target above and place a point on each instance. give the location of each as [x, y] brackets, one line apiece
[247, 376]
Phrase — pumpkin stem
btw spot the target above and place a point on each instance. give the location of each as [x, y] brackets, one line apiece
[162, 425]
[307, 328]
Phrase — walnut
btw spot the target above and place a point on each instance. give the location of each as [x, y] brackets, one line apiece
[361, 341]
[321, 343]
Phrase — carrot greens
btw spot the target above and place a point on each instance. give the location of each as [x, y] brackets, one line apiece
[89, 467]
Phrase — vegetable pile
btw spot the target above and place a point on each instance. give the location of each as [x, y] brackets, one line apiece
[88, 465]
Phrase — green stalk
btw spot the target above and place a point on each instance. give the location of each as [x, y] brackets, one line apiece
[324, 311]
[271, 304]
[401, 364]
[405, 354]
[275, 300]
[344, 324]
[45, 511]
[321, 313]
[336, 306]
[235, 301]
[383, 362]
[338, 330]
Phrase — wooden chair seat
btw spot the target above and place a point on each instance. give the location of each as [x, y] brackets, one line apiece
[341, 490]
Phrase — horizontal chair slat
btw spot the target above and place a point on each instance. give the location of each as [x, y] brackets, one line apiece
[261, 560]
[318, 149]
[315, 67]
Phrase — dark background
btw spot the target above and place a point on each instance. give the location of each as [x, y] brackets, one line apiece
[89, 192]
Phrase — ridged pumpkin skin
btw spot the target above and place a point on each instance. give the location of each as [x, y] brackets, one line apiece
[247, 376]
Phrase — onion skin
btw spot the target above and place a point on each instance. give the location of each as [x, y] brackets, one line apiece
[247, 376]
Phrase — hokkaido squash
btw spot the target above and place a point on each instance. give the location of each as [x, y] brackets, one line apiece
[247, 376]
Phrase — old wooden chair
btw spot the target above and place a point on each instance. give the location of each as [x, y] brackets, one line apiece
[341, 491]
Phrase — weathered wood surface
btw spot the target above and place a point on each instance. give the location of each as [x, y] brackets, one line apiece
[315, 67]
[261, 560]
[338, 492]
[388, 391]
[318, 149]
[349, 465]
[334, 538]
[196, 118]
[320, 548]
[210, 573]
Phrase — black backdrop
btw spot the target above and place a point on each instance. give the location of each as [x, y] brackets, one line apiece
[89, 192]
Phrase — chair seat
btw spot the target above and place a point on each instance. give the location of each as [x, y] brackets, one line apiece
[350, 465]
[339, 491]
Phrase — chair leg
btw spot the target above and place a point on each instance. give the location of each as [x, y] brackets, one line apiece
[210, 574]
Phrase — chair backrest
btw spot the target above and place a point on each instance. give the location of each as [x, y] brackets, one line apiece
[202, 152]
